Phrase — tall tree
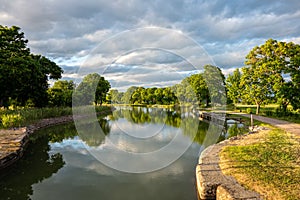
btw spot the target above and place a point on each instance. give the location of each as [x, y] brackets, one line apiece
[200, 88]
[128, 95]
[114, 97]
[60, 94]
[215, 81]
[169, 96]
[263, 75]
[290, 92]
[92, 89]
[23, 76]
[234, 87]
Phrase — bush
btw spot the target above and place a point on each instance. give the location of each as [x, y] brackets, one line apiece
[234, 130]
[11, 120]
[269, 113]
[249, 110]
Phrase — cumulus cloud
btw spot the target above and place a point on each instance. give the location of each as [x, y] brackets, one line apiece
[75, 33]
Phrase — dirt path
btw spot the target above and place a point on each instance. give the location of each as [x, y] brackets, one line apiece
[285, 125]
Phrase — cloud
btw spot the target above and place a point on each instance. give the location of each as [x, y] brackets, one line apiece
[75, 33]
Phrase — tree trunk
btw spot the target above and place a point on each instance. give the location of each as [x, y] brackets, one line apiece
[284, 106]
[207, 100]
[257, 108]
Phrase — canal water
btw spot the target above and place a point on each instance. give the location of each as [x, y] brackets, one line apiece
[60, 164]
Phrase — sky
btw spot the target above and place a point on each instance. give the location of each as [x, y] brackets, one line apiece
[149, 43]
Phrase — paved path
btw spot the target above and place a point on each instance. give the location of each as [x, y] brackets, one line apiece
[285, 125]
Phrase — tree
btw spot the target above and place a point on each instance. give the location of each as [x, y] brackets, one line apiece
[114, 97]
[136, 96]
[234, 87]
[128, 94]
[92, 89]
[60, 94]
[200, 88]
[215, 81]
[290, 92]
[263, 78]
[168, 96]
[24, 76]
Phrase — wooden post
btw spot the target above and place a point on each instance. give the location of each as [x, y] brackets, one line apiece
[251, 121]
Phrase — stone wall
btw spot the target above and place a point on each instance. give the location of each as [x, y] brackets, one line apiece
[13, 141]
[212, 183]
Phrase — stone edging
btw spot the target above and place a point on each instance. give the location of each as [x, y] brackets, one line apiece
[13, 142]
[212, 183]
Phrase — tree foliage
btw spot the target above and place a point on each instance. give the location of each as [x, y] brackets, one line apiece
[271, 75]
[191, 90]
[92, 89]
[24, 76]
[60, 94]
[234, 87]
[215, 81]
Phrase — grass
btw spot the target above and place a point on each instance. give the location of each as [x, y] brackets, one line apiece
[271, 166]
[21, 117]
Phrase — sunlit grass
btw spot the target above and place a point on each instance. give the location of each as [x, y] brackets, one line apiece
[270, 167]
[30, 115]
[21, 117]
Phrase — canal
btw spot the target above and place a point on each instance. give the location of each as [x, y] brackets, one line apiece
[60, 164]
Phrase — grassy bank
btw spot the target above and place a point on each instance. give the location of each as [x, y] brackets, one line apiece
[270, 165]
[22, 117]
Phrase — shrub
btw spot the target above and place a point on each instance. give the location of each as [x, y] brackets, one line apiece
[269, 113]
[11, 120]
[249, 110]
[234, 130]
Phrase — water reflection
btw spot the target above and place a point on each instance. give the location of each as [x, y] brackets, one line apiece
[36, 165]
[174, 118]
[57, 164]
[92, 137]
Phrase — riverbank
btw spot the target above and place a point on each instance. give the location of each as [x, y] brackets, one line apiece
[213, 183]
[13, 141]
[267, 162]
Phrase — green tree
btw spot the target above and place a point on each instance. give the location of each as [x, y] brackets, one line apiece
[114, 97]
[24, 76]
[290, 92]
[262, 77]
[60, 94]
[234, 87]
[128, 94]
[158, 95]
[150, 95]
[168, 96]
[92, 89]
[185, 92]
[215, 81]
[200, 88]
[136, 97]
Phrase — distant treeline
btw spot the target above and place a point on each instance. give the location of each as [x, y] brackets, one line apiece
[194, 89]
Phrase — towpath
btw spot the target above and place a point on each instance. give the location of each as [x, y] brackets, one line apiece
[285, 125]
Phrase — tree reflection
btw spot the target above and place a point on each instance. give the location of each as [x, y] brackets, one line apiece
[191, 126]
[36, 165]
[90, 132]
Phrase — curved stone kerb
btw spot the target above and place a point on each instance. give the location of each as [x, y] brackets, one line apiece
[212, 183]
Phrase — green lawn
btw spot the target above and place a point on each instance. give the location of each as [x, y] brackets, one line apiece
[271, 166]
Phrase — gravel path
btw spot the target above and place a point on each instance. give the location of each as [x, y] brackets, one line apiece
[285, 125]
